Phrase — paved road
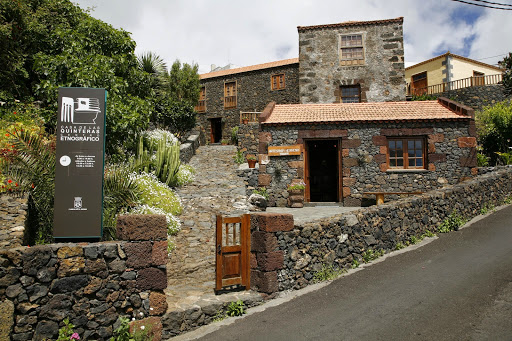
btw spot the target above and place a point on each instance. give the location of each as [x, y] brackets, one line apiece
[458, 287]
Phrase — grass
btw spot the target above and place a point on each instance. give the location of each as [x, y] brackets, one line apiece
[327, 273]
[370, 255]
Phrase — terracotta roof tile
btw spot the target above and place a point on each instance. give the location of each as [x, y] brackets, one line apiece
[364, 112]
[249, 68]
[350, 23]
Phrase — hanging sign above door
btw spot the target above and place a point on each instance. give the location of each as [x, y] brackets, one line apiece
[285, 150]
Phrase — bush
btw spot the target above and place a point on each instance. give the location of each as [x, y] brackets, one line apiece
[452, 222]
[495, 130]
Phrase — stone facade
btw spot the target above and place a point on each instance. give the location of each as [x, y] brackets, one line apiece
[13, 214]
[248, 138]
[381, 77]
[91, 284]
[287, 256]
[477, 97]
[450, 157]
[253, 90]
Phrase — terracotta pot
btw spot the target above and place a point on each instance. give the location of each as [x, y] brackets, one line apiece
[245, 121]
[252, 163]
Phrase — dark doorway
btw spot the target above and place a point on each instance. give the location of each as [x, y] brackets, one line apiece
[216, 130]
[323, 170]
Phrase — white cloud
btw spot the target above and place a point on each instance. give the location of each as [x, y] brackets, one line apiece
[250, 32]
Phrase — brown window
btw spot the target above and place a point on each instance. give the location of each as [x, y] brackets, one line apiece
[350, 94]
[277, 82]
[406, 153]
[201, 104]
[352, 50]
[229, 95]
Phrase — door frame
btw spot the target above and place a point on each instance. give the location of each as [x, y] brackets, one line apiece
[307, 193]
[212, 130]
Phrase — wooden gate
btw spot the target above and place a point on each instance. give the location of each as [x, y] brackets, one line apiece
[233, 239]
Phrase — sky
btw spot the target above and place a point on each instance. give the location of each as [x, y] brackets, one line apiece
[244, 33]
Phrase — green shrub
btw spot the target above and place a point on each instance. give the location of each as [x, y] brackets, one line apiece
[355, 264]
[486, 208]
[234, 135]
[261, 191]
[452, 222]
[399, 246]
[239, 157]
[236, 308]
[494, 125]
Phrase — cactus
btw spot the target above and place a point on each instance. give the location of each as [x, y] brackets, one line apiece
[166, 162]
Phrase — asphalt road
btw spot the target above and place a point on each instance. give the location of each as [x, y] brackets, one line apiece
[457, 287]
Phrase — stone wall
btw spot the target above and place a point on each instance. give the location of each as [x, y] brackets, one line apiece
[91, 284]
[381, 77]
[248, 138]
[253, 94]
[477, 97]
[189, 146]
[450, 148]
[287, 257]
[13, 214]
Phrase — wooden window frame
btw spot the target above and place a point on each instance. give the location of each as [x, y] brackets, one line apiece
[201, 105]
[352, 60]
[358, 86]
[277, 84]
[233, 103]
[405, 153]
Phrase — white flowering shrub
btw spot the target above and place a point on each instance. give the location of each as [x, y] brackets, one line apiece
[173, 223]
[154, 136]
[185, 175]
[155, 197]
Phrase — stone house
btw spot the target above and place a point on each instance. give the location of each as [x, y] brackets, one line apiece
[359, 61]
[449, 72]
[344, 150]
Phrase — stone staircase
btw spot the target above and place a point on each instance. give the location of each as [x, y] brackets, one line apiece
[216, 190]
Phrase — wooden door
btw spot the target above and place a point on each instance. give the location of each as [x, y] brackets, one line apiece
[233, 239]
[419, 84]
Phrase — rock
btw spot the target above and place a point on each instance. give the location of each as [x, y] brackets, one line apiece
[69, 251]
[6, 319]
[157, 303]
[69, 284]
[258, 201]
[46, 330]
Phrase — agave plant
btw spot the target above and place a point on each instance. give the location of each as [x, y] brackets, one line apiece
[32, 168]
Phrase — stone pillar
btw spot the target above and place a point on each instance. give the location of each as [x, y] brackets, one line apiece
[266, 259]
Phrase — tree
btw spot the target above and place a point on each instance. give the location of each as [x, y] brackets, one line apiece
[495, 129]
[506, 64]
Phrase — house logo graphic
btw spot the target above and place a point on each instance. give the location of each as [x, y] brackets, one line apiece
[80, 110]
[77, 205]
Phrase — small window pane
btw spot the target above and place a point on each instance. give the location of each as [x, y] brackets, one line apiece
[400, 162]
[419, 153]
[411, 162]
[392, 162]
[392, 144]
[418, 143]
[419, 162]
[399, 145]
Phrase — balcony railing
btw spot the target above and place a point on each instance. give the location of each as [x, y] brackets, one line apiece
[454, 85]
[249, 116]
[201, 106]
[229, 102]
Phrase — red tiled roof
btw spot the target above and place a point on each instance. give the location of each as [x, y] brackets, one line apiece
[249, 68]
[361, 112]
[350, 23]
[455, 56]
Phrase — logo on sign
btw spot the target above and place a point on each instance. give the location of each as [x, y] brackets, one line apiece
[80, 110]
[77, 205]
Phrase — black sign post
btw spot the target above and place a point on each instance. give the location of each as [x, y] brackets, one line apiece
[80, 157]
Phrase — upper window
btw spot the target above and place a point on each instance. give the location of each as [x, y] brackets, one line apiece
[352, 50]
[350, 94]
[277, 82]
[229, 95]
[406, 153]
[201, 104]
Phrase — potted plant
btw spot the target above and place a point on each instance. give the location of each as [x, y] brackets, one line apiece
[245, 120]
[224, 142]
[251, 160]
[296, 194]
